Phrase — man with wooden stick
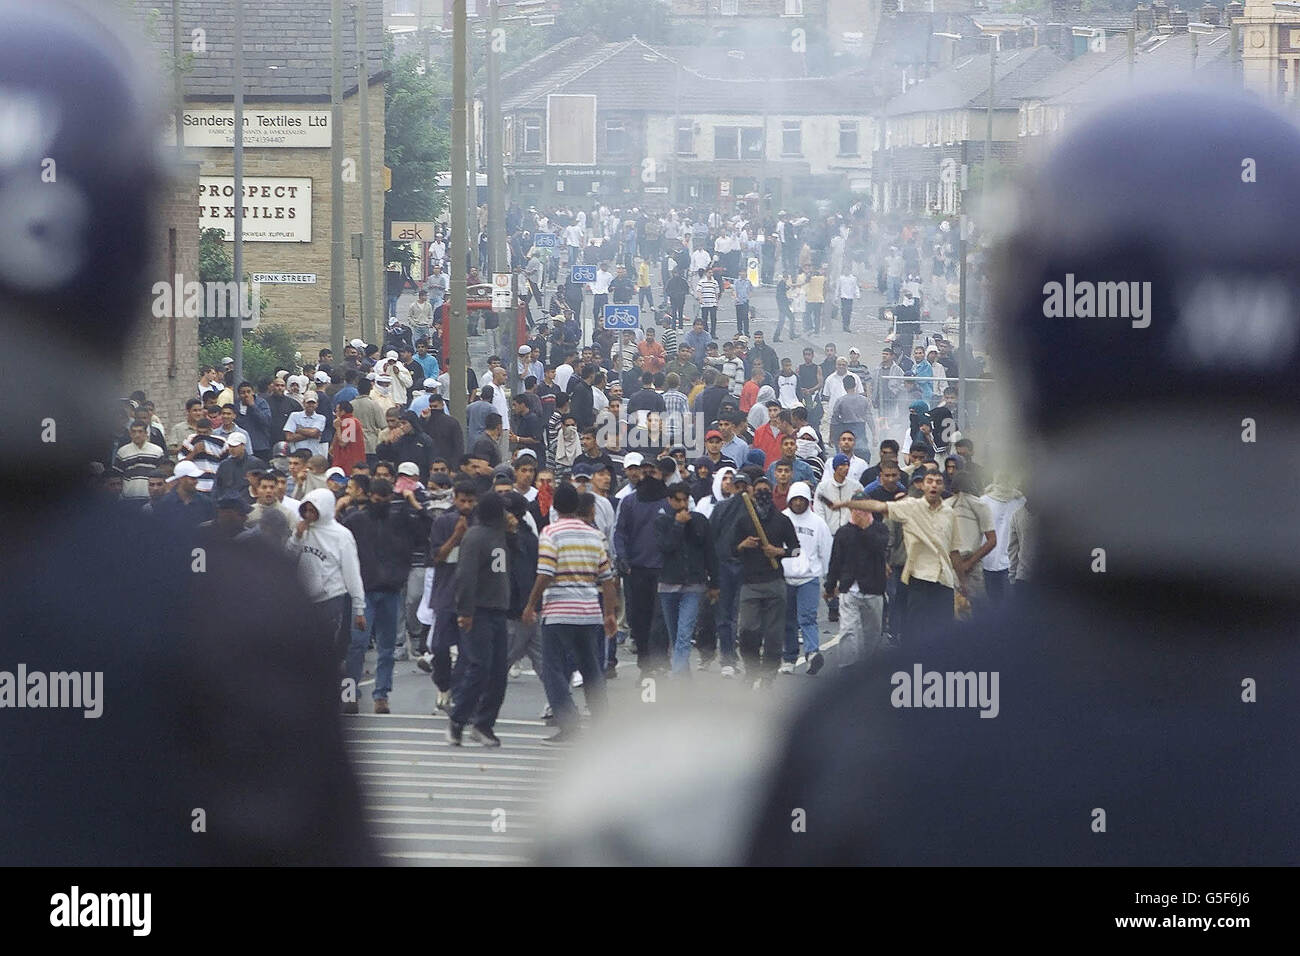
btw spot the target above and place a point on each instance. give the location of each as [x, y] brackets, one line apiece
[761, 539]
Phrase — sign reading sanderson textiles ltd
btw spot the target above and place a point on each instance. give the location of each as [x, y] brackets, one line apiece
[262, 128]
[276, 209]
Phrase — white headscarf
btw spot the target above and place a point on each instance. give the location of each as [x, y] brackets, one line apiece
[758, 416]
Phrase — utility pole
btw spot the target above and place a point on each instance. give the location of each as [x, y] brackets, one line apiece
[493, 147]
[988, 132]
[456, 346]
[338, 260]
[962, 352]
[368, 328]
[471, 194]
[237, 331]
[178, 87]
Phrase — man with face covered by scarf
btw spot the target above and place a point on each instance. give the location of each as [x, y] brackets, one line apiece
[761, 621]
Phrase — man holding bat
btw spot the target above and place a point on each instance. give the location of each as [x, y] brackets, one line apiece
[762, 538]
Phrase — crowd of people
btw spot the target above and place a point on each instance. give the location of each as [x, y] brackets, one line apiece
[691, 492]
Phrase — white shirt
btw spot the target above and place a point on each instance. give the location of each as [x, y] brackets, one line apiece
[700, 259]
[298, 420]
[848, 287]
[601, 285]
[562, 375]
[787, 391]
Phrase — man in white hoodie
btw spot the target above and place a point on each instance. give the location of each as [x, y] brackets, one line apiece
[835, 488]
[803, 575]
[331, 574]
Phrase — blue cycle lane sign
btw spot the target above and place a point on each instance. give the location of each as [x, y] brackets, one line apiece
[622, 316]
[582, 274]
[546, 240]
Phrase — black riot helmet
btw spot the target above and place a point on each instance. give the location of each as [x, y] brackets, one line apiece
[79, 169]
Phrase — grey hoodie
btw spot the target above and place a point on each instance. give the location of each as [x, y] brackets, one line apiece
[327, 556]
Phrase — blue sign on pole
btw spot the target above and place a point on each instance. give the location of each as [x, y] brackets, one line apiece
[546, 240]
[582, 273]
[623, 316]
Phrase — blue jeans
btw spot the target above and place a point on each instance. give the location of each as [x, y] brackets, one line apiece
[729, 581]
[681, 608]
[582, 643]
[392, 304]
[382, 611]
[480, 690]
[801, 615]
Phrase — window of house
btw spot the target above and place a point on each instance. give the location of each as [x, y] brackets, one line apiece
[726, 142]
[403, 8]
[615, 137]
[791, 138]
[794, 8]
[848, 137]
[532, 135]
[685, 139]
[729, 8]
[752, 145]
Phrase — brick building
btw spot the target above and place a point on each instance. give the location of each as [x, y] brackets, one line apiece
[287, 71]
[162, 357]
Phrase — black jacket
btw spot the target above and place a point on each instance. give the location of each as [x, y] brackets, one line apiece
[722, 523]
[446, 437]
[581, 403]
[688, 555]
[523, 567]
[413, 446]
[385, 540]
[709, 401]
[755, 567]
[858, 557]
[232, 474]
[483, 571]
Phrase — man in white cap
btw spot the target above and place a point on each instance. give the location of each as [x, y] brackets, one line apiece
[803, 574]
[232, 473]
[305, 429]
[183, 508]
[398, 373]
[527, 367]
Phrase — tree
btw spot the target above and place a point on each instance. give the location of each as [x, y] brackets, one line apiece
[417, 142]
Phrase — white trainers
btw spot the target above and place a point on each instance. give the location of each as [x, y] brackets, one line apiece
[800, 661]
[728, 671]
[577, 679]
[785, 668]
[514, 671]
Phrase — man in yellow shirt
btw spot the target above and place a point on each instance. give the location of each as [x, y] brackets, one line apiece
[816, 294]
[643, 293]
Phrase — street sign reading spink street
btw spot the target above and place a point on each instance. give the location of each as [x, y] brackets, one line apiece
[546, 240]
[581, 273]
[622, 316]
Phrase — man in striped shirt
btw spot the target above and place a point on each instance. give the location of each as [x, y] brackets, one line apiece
[137, 459]
[572, 561]
[706, 290]
[206, 450]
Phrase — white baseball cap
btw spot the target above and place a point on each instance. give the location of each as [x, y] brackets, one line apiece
[310, 397]
[186, 469]
[236, 439]
[632, 459]
[409, 468]
[227, 361]
[390, 354]
[357, 344]
[323, 377]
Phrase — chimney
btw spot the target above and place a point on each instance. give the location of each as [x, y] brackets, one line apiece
[1234, 10]
[1060, 10]
[1178, 20]
[1160, 11]
[1210, 13]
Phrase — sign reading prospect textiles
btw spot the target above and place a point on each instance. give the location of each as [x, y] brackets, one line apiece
[276, 209]
[262, 128]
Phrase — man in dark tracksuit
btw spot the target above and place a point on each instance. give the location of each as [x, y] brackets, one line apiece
[718, 629]
[762, 593]
[482, 597]
[448, 531]
[387, 532]
[638, 549]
